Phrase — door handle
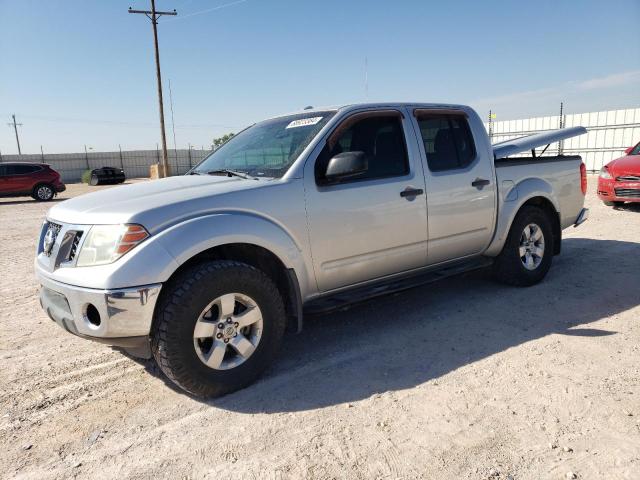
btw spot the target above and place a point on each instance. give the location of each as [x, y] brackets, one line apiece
[480, 182]
[411, 192]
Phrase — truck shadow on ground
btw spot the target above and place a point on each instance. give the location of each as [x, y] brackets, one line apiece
[401, 341]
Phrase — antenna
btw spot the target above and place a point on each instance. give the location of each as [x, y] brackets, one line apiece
[366, 78]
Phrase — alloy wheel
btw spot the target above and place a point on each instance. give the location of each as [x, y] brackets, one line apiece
[228, 331]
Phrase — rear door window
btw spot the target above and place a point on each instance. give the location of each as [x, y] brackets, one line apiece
[447, 140]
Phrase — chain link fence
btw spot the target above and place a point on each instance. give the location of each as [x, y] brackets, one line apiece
[135, 163]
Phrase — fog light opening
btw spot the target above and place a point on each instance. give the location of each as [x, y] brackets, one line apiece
[92, 315]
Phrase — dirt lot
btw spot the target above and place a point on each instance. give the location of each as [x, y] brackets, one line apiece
[461, 379]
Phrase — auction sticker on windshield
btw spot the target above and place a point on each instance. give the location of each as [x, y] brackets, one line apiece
[304, 122]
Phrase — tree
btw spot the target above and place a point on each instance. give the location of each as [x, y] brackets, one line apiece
[217, 142]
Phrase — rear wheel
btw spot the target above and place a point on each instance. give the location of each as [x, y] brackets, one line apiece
[43, 192]
[526, 256]
[218, 327]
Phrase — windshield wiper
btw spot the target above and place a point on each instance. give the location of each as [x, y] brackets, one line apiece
[234, 173]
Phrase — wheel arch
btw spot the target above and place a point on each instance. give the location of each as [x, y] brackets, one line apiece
[266, 261]
[531, 192]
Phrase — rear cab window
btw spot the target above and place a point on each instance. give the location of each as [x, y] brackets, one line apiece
[447, 139]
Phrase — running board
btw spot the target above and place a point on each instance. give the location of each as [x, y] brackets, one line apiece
[349, 297]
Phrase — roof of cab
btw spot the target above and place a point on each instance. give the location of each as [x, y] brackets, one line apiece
[354, 106]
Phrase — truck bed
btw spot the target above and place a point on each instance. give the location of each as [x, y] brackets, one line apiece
[561, 172]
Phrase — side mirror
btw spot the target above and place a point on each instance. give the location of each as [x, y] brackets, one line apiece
[627, 151]
[346, 165]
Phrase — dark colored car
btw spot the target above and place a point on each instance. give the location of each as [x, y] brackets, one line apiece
[107, 176]
[619, 180]
[37, 180]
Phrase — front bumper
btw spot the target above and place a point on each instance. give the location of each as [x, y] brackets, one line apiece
[119, 317]
[616, 191]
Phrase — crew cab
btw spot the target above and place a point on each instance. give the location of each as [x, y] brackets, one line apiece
[305, 212]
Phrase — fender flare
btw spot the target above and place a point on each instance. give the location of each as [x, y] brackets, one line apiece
[512, 201]
[187, 239]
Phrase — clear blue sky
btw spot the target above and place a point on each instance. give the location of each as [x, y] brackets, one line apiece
[81, 71]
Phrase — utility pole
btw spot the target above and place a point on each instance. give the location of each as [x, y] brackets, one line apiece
[561, 125]
[86, 157]
[15, 128]
[154, 15]
[491, 117]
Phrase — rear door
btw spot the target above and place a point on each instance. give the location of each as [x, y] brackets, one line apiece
[460, 184]
[21, 177]
[369, 226]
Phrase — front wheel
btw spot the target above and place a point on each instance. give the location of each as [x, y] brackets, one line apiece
[526, 256]
[217, 327]
[612, 204]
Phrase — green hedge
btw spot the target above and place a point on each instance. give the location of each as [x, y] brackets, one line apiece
[86, 176]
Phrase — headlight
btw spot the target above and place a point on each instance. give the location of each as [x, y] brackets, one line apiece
[604, 173]
[107, 243]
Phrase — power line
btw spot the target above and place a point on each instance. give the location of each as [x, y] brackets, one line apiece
[154, 15]
[15, 128]
[56, 119]
[173, 122]
[208, 10]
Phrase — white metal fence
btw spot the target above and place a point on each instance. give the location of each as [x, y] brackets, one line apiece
[135, 163]
[609, 133]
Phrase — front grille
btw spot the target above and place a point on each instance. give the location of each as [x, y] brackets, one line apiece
[628, 192]
[74, 245]
[628, 178]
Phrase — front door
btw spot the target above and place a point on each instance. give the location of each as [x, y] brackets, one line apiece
[374, 224]
[461, 190]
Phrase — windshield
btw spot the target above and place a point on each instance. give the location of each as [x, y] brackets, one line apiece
[266, 149]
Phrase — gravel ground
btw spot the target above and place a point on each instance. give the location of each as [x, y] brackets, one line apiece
[461, 379]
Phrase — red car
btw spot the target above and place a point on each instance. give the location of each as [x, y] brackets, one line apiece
[37, 180]
[619, 179]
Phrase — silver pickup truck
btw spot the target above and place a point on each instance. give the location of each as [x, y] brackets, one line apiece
[305, 212]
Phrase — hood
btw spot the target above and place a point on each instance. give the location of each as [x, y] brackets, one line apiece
[627, 165]
[152, 204]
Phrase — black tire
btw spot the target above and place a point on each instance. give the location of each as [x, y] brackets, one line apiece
[93, 181]
[43, 192]
[508, 266]
[182, 301]
[613, 204]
